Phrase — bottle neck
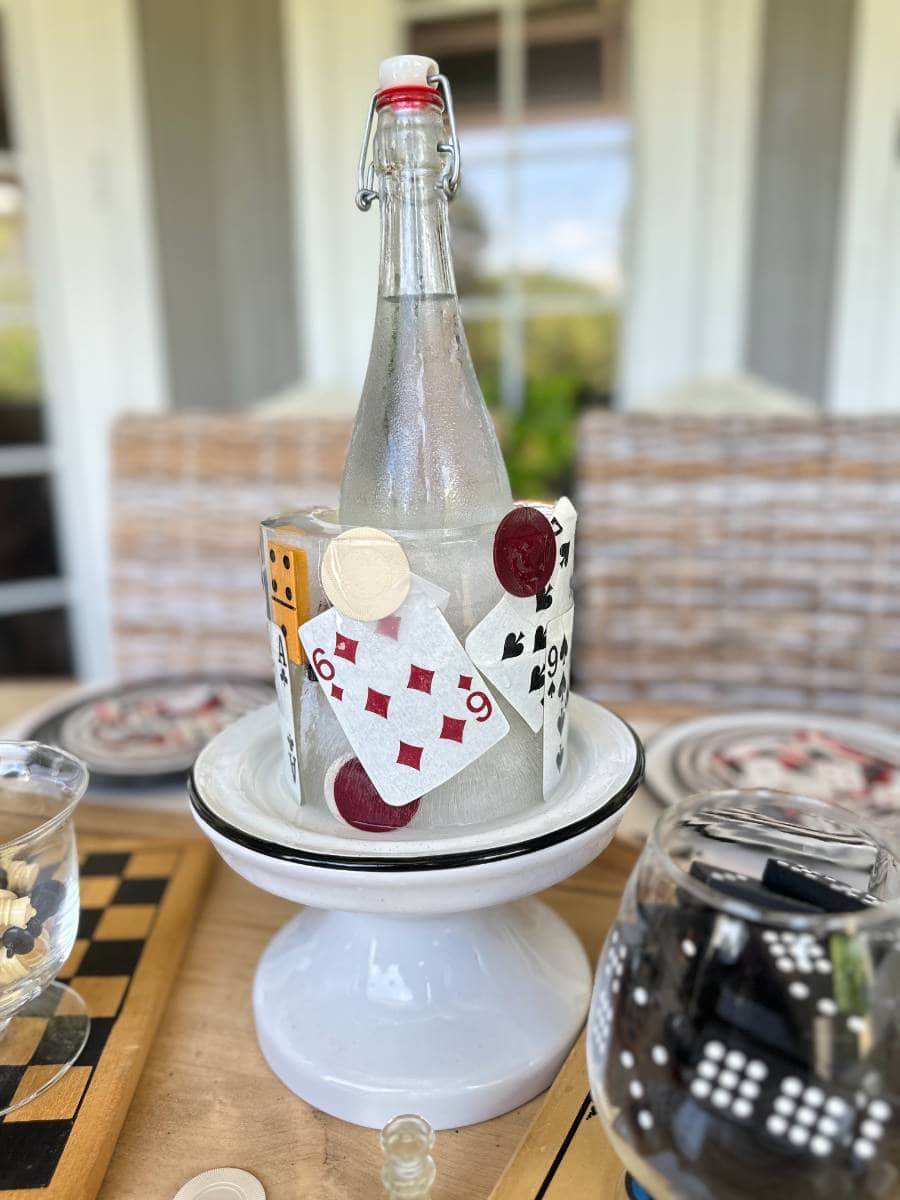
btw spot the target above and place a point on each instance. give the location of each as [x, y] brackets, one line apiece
[415, 229]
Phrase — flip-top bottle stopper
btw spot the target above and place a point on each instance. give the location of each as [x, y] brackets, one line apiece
[406, 70]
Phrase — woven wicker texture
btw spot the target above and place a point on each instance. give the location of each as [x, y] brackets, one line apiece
[188, 493]
[740, 562]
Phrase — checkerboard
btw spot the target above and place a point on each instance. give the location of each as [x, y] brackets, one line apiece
[136, 899]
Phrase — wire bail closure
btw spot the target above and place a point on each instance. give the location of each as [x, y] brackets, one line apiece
[365, 171]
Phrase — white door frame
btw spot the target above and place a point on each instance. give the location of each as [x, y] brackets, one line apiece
[864, 374]
[695, 70]
[77, 105]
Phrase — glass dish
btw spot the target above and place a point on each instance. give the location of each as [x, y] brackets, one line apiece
[39, 906]
[744, 1035]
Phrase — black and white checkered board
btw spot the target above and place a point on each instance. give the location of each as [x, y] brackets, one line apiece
[122, 896]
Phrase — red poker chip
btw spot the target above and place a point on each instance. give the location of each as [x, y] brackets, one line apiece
[524, 551]
[353, 798]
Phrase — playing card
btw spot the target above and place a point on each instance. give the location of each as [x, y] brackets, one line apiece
[406, 694]
[511, 652]
[556, 598]
[284, 694]
[557, 669]
[510, 644]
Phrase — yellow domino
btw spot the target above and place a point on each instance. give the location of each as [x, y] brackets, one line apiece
[288, 578]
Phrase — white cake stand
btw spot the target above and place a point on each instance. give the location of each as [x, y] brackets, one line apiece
[417, 979]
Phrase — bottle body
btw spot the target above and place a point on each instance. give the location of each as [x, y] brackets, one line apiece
[424, 454]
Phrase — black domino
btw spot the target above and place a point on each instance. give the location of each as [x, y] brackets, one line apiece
[751, 891]
[800, 884]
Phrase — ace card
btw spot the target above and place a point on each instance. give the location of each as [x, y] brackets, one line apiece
[406, 694]
[556, 698]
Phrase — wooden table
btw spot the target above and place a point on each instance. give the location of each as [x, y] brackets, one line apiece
[206, 1097]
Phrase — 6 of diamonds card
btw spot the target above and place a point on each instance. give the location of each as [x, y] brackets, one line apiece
[406, 694]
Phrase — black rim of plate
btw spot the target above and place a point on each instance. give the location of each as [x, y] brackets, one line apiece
[48, 728]
[422, 862]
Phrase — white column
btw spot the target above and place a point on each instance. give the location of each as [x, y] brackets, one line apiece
[695, 77]
[865, 360]
[333, 51]
[77, 107]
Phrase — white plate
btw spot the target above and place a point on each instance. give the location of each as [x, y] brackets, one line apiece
[807, 753]
[238, 788]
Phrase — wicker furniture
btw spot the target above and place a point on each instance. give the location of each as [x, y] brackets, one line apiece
[188, 493]
[734, 562]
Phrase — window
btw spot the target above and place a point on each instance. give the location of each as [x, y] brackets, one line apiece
[33, 618]
[538, 222]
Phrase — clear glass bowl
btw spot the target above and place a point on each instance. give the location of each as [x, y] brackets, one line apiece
[39, 901]
[744, 1034]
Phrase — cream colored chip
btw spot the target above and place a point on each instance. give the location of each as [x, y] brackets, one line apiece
[15, 912]
[365, 574]
[21, 876]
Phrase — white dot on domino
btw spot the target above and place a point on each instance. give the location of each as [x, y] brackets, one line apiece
[636, 1089]
[826, 1006]
[714, 1050]
[645, 1119]
[856, 1024]
[872, 1130]
[735, 1060]
[720, 1098]
[626, 1058]
[863, 1149]
[814, 1096]
[688, 948]
[791, 1086]
[757, 1069]
[641, 996]
[836, 1106]
[742, 1108]
[805, 1116]
[749, 1089]
[798, 1136]
[820, 1145]
[707, 1069]
[728, 1079]
[799, 990]
[880, 1110]
[776, 1125]
[660, 1055]
[700, 1088]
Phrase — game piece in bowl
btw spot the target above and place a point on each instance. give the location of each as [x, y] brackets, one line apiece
[39, 790]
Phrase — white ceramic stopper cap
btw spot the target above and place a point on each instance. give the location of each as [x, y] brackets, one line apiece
[406, 70]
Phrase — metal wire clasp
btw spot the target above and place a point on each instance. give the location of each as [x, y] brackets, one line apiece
[365, 174]
[365, 170]
[450, 177]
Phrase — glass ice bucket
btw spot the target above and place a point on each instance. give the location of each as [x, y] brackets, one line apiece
[453, 568]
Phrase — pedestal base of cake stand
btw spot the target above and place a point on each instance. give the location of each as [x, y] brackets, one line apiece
[457, 1018]
[418, 978]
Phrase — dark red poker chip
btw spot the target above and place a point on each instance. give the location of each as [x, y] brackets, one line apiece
[357, 802]
[524, 551]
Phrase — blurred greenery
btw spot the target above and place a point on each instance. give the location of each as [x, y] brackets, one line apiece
[569, 362]
[19, 372]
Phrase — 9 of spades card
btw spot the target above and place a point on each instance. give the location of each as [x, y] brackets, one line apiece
[556, 698]
[406, 694]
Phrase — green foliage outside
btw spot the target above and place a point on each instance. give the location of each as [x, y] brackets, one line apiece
[569, 365]
[19, 370]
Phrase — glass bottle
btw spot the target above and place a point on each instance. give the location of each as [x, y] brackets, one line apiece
[423, 454]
